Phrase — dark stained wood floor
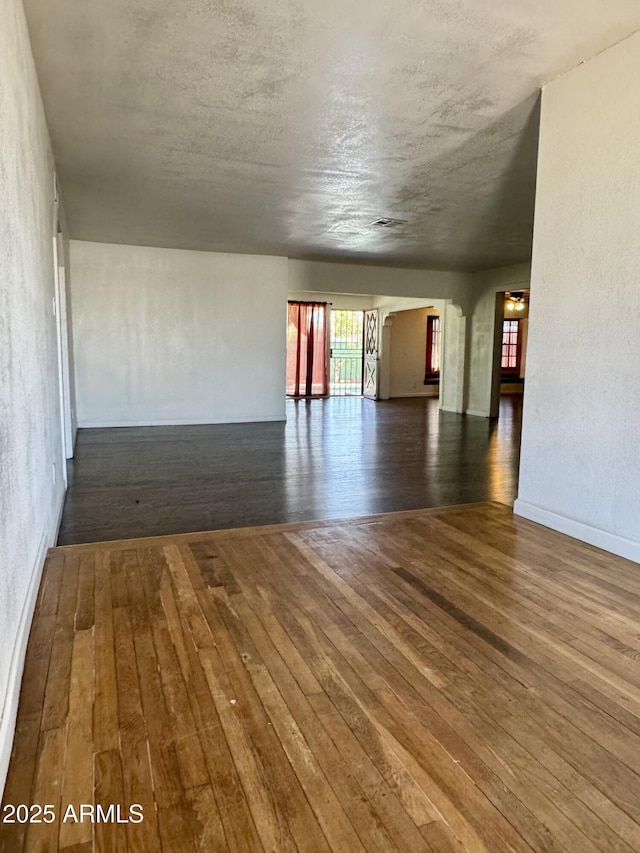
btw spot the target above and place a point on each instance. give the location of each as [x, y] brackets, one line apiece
[335, 458]
[443, 680]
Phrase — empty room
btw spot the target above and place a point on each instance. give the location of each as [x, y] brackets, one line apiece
[320, 426]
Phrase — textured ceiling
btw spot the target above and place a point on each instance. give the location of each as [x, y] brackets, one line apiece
[287, 126]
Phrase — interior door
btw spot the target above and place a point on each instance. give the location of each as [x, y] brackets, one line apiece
[370, 383]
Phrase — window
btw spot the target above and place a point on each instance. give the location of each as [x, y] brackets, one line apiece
[511, 347]
[432, 362]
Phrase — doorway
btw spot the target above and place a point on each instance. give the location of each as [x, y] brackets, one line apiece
[509, 346]
[513, 350]
[346, 348]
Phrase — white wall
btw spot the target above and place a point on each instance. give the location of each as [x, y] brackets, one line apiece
[407, 354]
[165, 336]
[30, 432]
[580, 464]
[453, 369]
[335, 300]
[328, 277]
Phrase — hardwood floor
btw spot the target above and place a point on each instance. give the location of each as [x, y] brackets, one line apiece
[336, 458]
[438, 680]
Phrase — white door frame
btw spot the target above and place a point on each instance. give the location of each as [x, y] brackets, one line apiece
[62, 336]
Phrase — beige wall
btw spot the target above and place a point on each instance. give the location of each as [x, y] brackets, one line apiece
[164, 336]
[407, 354]
[31, 467]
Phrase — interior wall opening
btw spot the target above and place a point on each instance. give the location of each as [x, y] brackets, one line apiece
[513, 349]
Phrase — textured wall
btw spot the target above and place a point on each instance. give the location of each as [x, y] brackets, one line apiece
[171, 336]
[378, 281]
[580, 468]
[335, 300]
[452, 368]
[408, 355]
[30, 435]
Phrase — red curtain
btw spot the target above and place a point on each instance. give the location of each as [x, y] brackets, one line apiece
[307, 373]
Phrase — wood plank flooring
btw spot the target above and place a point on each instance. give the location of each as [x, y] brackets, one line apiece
[437, 680]
[335, 458]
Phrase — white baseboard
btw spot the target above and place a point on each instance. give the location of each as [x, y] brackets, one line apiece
[16, 668]
[628, 548]
[477, 414]
[177, 422]
[450, 409]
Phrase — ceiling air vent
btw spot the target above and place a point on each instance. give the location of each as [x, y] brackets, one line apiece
[387, 222]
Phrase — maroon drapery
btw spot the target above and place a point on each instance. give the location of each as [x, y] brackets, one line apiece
[307, 373]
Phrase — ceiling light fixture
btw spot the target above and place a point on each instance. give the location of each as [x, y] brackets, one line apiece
[516, 301]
